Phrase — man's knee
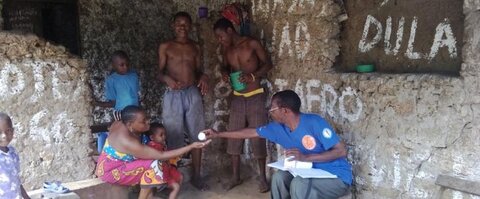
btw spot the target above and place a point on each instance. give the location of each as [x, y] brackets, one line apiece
[298, 183]
[281, 177]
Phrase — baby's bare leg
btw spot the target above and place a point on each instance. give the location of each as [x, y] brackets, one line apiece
[175, 189]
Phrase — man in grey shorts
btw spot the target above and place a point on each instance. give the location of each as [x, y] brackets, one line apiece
[180, 68]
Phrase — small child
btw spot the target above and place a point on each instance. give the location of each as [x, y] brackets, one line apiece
[171, 175]
[122, 88]
[10, 185]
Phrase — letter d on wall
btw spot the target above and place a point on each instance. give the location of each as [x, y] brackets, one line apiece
[365, 46]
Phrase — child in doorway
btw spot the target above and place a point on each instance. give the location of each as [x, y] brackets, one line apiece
[171, 175]
[122, 88]
[10, 184]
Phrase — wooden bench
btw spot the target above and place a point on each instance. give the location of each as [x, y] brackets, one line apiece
[455, 183]
[85, 189]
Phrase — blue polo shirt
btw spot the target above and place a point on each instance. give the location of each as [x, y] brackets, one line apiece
[123, 89]
[312, 136]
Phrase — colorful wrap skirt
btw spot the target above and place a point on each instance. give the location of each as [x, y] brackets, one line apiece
[147, 173]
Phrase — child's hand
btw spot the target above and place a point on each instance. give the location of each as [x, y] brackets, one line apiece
[199, 145]
[246, 78]
[225, 77]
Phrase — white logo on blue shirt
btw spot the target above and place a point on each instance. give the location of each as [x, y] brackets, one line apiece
[327, 133]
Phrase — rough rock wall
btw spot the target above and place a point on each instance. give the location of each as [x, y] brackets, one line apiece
[43, 88]
[402, 130]
[137, 27]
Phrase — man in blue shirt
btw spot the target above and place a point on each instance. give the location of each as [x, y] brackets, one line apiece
[307, 137]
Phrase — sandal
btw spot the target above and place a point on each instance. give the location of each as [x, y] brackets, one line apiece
[55, 187]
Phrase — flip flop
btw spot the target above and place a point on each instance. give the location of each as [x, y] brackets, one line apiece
[55, 187]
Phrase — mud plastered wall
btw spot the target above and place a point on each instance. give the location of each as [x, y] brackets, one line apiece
[137, 27]
[402, 130]
[44, 90]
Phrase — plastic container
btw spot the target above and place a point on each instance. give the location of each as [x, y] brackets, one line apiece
[365, 68]
[235, 82]
[202, 12]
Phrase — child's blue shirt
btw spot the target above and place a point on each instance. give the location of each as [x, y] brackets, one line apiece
[123, 89]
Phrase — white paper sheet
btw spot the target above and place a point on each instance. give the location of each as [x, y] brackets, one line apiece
[305, 172]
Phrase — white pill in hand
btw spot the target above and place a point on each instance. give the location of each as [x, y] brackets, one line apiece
[202, 136]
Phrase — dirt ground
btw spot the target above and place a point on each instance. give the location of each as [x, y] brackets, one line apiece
[248, 189]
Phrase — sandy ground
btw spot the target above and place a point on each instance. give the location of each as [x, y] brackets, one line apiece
[248, 189]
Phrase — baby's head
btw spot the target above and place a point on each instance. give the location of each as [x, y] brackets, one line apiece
[120, 62]
[157, 133]
[6, 130]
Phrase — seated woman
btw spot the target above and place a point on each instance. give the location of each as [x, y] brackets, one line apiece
[126, 161]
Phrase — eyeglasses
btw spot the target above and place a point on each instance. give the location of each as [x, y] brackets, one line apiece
[274, 109]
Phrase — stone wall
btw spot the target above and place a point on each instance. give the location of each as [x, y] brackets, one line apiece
[402, 130]
[43, 88]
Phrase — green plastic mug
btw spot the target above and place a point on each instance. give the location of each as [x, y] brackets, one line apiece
[235, 81]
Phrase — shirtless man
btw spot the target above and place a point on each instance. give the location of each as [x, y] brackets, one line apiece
[247, 108]
[181, 70]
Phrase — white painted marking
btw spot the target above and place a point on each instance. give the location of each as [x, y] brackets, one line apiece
[329, 107]
[300, 4]
[350, 116]
[302, 44]
[9, 88]
[281, 84]
[285, 41]
[444, 28]
[311, 97]
[388, 32]
[413, 31]
[365, 46]
[396, 170]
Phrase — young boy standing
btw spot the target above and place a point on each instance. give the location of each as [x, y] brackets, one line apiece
[122, 86]
[247, 107]
[10, 184]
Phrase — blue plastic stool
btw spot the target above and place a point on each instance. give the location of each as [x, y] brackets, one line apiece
[145, 139]
[102, 137]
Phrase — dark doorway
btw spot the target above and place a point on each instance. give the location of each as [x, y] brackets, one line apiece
[54, 20]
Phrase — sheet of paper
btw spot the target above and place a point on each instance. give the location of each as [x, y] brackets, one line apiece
[277, 165]
[305, 172]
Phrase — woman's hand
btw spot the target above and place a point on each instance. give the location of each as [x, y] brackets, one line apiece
[199, 145]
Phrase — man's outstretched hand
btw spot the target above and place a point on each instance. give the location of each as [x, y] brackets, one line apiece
[210, 133]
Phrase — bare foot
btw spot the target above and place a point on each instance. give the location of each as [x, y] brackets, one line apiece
[232, 184]
[263, 186]
[197, 183]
